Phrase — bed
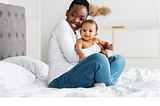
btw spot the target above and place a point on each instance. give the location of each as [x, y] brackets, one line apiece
[23, 76]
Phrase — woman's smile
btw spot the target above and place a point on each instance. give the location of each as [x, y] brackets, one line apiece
[73, 25]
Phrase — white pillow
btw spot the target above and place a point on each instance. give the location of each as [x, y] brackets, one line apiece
[37, 67]
[13, 76]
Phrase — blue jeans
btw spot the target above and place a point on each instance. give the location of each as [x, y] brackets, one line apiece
[95, 68]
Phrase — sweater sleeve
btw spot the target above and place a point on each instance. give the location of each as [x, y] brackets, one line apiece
[67, 40]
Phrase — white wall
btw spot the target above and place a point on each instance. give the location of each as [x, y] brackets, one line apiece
[51, 12]
[4, 1]
[128, 13]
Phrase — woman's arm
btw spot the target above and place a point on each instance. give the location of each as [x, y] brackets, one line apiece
[67, 40]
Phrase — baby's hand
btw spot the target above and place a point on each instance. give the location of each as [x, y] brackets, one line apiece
[110, 47]
[81, 57]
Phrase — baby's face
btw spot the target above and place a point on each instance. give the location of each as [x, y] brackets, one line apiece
[88, 31]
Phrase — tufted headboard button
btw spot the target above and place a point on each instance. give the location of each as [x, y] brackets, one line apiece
[16, 54]
[1, 13]
[22, 15]
[2, 58]
[0, 35]
[16, 35]
[9, 35]
[16, 15]
[22, 36]
[9, 14]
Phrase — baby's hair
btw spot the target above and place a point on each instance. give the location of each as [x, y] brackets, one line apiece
[92, 22]
[84, 3]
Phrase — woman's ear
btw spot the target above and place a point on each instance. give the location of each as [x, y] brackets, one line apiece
[67, 12]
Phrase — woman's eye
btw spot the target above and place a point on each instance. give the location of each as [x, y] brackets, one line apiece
[82, 19]
[74, 15]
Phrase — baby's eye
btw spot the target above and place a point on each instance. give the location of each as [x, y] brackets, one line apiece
[84, 30]
[90, 30]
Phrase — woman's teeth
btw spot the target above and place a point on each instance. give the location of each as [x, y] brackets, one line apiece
[73, 25]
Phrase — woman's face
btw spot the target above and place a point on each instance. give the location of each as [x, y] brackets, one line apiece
[76, 16]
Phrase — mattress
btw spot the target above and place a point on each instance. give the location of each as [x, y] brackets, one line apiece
[134, 82]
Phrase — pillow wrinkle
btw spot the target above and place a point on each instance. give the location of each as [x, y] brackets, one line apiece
[13, 76]
[38, 68]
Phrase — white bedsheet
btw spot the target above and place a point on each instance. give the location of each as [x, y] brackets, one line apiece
[134, 82]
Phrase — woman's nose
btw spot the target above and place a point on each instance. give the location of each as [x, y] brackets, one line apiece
[76, 19]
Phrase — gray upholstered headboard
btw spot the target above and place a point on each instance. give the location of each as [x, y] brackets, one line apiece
[12, 31]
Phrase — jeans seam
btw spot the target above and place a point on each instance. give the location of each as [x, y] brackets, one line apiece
[109, 75]
[80, 69]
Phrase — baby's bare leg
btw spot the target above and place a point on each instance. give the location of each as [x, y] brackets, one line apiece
[105, 52]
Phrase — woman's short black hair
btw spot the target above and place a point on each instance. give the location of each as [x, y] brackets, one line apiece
[84, 3]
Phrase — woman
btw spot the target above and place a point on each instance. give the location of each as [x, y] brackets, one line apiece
[64, 69]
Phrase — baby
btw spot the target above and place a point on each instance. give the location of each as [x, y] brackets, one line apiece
[88, 33]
